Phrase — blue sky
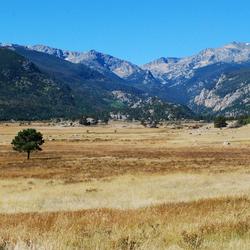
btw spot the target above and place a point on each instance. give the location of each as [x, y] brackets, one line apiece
[136, 30]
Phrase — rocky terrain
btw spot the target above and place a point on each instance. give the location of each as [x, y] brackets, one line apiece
[193, 81]
[177, 68]
[104, 63]
[199, 78]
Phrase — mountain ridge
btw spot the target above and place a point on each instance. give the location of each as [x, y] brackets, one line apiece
[90, 93]
[184, 81]
[104, 63]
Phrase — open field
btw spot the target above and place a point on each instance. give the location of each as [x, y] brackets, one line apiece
[126, 187]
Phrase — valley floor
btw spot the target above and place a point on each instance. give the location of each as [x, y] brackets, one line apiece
[122, 186]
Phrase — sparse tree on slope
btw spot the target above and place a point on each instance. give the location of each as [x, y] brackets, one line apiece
[220, 122]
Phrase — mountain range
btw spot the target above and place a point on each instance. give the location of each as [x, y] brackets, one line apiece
[26, 93]
[212, 82]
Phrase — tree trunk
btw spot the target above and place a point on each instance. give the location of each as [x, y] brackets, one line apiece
[28, 155]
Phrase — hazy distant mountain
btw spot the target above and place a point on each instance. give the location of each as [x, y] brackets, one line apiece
[106, 64]
[162, 66]
[177, 69]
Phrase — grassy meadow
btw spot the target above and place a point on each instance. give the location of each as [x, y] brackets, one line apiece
[122, 186]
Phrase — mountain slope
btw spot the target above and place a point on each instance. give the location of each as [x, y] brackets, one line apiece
[229, 95]
[27, 93]
[194, 81]
[92, 89]
[178, 80]
[215, 81]
[89, 91]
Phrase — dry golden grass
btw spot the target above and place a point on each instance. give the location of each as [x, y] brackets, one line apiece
[123, 192]
[74, 155]
[205, 224]
[176, 189]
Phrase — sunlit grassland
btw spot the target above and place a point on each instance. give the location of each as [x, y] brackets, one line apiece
[126, 187]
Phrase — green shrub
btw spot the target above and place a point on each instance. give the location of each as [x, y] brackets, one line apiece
[220, 122]
[244, 121]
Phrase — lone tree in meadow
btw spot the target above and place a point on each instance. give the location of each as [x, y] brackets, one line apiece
[28, 140]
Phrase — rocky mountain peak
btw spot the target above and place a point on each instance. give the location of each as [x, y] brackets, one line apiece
[104, 63]
[48, 50]
[173, 68]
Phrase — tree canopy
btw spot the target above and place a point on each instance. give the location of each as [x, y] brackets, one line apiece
[28, 140]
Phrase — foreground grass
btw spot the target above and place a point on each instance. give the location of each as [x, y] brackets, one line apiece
[205, 224]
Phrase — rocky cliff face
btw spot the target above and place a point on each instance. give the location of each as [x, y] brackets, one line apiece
[210, 81]
[230, 94]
